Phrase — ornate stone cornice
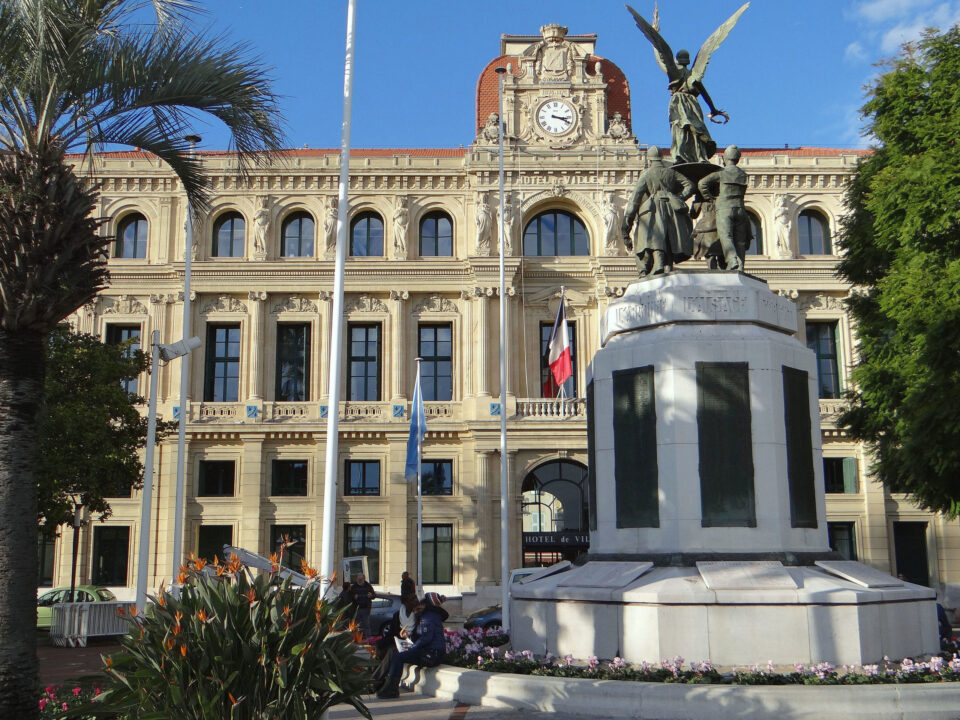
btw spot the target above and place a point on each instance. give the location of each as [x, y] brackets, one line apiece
[224, 303]
[436, 303]
[125, 305]
[295, 303]
[364, 303]
[819, 301]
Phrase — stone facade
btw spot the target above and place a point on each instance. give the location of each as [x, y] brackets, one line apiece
[585, 169]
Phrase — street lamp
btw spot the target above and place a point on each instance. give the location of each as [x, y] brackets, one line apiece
[78, 513]
[166, 353]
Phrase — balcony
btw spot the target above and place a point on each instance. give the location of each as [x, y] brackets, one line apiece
[551, 408]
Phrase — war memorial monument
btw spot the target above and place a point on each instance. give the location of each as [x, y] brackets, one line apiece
[708, 535]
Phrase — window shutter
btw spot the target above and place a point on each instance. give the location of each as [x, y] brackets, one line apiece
[850, 475]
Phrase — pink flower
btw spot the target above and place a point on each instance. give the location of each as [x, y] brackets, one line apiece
[76, 691]
[64, 707]
[592, 661]
[43, 703]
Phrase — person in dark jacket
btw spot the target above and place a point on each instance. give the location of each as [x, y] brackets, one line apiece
[429, 646]
[387, 645]
[407, 585]
[363, 594]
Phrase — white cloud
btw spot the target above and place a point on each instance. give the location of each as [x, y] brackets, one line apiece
[878, 11]
[855, 52]
[943, 16]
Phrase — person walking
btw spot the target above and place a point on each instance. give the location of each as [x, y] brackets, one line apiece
[429, 647]
[407, 585]
[363, 595]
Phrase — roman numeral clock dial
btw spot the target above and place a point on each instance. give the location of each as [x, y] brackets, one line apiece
[556, 117]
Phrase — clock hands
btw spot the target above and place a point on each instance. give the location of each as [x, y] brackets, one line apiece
[562, 119]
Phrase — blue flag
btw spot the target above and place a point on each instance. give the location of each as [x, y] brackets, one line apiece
[418, 428]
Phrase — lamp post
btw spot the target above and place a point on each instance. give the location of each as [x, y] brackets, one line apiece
[165, 353]
[184, 378]
[77, 524]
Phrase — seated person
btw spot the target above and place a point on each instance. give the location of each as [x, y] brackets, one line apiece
[402, 625]
[429, 646]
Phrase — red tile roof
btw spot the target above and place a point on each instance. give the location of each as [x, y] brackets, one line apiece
[488, 87]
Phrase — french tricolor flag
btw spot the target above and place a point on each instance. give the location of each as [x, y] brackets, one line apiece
[559, 358]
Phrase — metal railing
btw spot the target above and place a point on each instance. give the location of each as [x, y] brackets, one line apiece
[74, 623]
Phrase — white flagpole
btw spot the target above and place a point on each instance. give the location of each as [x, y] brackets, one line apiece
[419, 488]
[328, 539]
[563, 392]
[504, 500]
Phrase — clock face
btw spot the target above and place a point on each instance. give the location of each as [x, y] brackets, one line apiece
[556, 117]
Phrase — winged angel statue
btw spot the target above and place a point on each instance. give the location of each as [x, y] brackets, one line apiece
[691, 138]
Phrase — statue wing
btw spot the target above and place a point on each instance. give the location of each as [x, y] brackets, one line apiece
[661, 51]
[712, 43]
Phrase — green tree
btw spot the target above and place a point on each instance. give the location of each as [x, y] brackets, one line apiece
[74, 74]
[90, 429]
[902, 245]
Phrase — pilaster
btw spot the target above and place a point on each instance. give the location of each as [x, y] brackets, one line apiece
[258, 300]
[249, 490]
[398, 319]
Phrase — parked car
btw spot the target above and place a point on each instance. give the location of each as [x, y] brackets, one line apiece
[492, 617]
[381, 612]
[84, 593]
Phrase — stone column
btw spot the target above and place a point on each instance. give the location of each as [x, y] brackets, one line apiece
[487, 538]
[466, 342]
[258, 299]
[481, 332]
[249, 491]
[324, 307]
[163, 234]
[400, 350]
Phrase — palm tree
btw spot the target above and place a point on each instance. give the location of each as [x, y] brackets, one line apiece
[75, 74]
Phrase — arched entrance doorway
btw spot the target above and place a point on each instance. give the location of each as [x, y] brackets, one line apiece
[554, 506]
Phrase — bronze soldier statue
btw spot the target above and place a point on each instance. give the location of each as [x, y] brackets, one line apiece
[658, 205]
[727, 188]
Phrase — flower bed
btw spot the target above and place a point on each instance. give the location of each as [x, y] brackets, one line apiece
[484, 650]
[58, 699]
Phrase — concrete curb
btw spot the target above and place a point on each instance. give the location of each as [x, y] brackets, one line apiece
[663, 701]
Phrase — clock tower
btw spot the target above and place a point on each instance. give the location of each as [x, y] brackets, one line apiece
[557, 93]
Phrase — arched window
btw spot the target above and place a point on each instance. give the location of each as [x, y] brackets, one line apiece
[756, 229]
[366, 235]
[228, 235]
[554, 513]
[131, 237]
[555, 232]
[814, 233]
[436, 235]
[296, 239]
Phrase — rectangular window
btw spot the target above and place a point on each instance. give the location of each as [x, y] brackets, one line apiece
[636, 472]
[222, 379]
[111, 548]
[437, 477]
[796, 412]
[363, 477]
[437, 549]
[293, 362]
[822, 338]
[291, 542]
[548, 387]
[840, 475]
[119, 334]
[363, 362]
[435, 347]
[364, 540]
[842, 538]
[46, 544]
[289, 477]
[211, 539]
[216, 478]
[727, 495]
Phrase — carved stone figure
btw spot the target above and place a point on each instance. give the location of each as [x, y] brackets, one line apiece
[691, 138]
[658, 206]
[330, 229]
[705, 240]
[491, 129]
[783, 226]
[727, 189]
[617, 128]
[611, 225]
[261, 221]
[510, 220]
[401, 218]
[553, 55]
[482, 219]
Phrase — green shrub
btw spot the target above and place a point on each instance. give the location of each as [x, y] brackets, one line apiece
[234, 646]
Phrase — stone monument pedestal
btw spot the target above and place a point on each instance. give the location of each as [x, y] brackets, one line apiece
[708, 535]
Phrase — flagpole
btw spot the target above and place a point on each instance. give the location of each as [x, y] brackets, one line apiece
[563, 393]
[419, 495]
[328, 539]
[504, 504]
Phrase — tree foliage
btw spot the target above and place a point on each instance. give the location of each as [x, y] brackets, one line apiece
[90, 427]
[902, 253]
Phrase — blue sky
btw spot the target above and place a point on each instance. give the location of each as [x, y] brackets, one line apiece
[791, 72]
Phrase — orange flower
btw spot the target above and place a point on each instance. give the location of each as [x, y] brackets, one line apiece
[121, 611]
[183, 650]
[357, 636]
[233, 700]
[286, 610]
[133, 611]
[307, 570]
[182, 578]
[251, 595]
[202, 615]
[234, 565]
[168, 643]
[108, 661]
[353, 626]
[200, 563]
